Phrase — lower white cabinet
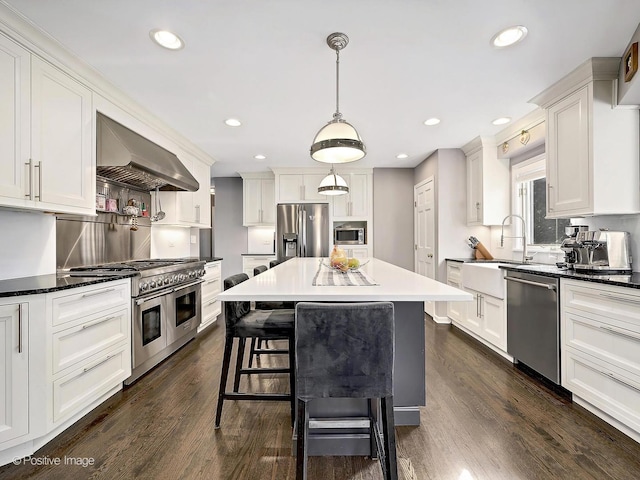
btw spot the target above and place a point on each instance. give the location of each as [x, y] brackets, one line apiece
[62, 353]
[600, 351]
[249, 262]
[14, 371]
[211, 287]
[485, 317]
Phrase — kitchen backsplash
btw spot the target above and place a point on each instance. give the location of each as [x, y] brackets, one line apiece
[260, 239]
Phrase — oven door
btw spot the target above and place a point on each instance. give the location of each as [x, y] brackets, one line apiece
[150, 317]
[186, 311]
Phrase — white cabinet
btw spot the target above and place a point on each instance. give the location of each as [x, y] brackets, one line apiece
[356, 203]
[299, 187]
[259, 202]
[249, 262]
[47, 150]
[592, 148]
[211, 287]
[600, 351]
[15, 71]
[488, 183]
[485, 317]
[89, 346]
[14, 371]
[189, 209]
[455, 310]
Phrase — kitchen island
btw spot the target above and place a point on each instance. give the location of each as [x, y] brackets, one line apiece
[293, 281]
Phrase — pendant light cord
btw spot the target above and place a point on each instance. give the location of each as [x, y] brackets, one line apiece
[337, 115]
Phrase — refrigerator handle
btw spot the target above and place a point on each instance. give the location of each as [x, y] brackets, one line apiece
[304, 232]
[300, 233]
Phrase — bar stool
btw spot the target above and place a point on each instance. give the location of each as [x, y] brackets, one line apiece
[256, 348]
[273, 263]
[241, 322]
[345, 350]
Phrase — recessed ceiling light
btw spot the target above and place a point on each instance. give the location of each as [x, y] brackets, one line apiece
[259, 157]
[501, 120]
[402, 155]
[432, 121]
[233, 122]
[166, 39]
[509, 36]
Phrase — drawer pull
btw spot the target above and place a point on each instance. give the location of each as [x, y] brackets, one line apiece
[212, 302]
[213, 281]
[619, 380]
[529, 282]
[97, 322]
[621, 299]
[620, 332]
[93, 294]
[19, 328]
[86, 369]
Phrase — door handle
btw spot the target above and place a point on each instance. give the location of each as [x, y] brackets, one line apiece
[534, 284]
[93, 294]
[39, 167]
[19, 328]
[30, 194]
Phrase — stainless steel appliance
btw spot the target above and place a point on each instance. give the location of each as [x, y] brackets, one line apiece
[598, 252]
[349, 235]
[302, 230]
[568, 245]
[166, 306]
[533, 322]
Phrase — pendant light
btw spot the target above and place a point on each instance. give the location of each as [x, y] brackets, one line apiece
[338, 141]
[333, 184]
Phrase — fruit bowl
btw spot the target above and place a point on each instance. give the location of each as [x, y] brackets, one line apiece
[346, 268]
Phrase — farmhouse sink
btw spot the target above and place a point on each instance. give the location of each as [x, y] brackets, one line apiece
[485, 278]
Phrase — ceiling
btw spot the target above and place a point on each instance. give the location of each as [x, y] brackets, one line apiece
[267, 64]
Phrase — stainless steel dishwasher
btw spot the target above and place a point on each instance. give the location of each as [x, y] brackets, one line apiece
[533, 322]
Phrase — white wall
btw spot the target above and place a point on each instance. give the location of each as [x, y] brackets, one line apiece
[27, 244]
[393, 216]
[260, 240]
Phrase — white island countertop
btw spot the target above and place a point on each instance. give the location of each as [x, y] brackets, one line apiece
[293, 280]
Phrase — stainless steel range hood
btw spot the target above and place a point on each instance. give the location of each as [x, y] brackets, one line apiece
[129, 158]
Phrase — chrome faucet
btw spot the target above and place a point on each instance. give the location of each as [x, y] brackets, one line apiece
[525, 257]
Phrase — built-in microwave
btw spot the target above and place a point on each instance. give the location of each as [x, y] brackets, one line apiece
[348, 236]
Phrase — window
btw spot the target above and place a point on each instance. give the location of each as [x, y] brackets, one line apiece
[530, 202]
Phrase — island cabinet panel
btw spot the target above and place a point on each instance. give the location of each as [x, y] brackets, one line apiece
[211, 287]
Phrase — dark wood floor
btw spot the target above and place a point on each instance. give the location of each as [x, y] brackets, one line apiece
[485, 419]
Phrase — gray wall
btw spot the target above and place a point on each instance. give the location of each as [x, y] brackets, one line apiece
[229, 236]
[393, 216]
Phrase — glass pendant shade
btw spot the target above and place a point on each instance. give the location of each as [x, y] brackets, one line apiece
[337, 142]
[333, 184]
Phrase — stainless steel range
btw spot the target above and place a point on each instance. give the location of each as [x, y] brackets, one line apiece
[166, 307]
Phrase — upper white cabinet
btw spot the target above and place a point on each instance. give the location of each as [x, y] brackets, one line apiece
[46, 142]
[190, 209]
[15, 74]
[299, 187]
[355, 204]
[592, 148]
[488, 183]
[259, 202]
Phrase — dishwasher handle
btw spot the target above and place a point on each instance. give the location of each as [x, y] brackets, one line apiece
[529, 282]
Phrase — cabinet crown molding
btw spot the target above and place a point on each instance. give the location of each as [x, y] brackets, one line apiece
[594, 69]
[477, 144]
[246, 175]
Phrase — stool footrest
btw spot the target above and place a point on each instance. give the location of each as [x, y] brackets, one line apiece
[246, 371]
[276, 397]
[355, 422]
[258, 351]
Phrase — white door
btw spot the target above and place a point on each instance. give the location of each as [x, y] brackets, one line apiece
[424, 227]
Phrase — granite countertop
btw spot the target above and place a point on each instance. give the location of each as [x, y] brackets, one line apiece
[622, 280]
[53, 282]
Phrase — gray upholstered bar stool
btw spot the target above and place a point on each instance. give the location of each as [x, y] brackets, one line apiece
[241, 322]
[256, 348]
[345, 350]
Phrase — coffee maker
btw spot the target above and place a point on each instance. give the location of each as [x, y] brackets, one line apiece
[599, 252]
[569, 245]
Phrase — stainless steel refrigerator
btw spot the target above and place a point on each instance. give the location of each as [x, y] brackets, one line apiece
[302, 230]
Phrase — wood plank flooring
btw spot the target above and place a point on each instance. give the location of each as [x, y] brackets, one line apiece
[485, 419]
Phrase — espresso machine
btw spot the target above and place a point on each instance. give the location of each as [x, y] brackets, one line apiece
[569, 245]
[597, 252]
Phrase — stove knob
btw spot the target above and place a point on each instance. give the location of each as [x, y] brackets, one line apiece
[152, 284]
[166, 280]
[143, 286]
[182, 277]
[202, 272]
[174, 278]
[192, 274]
